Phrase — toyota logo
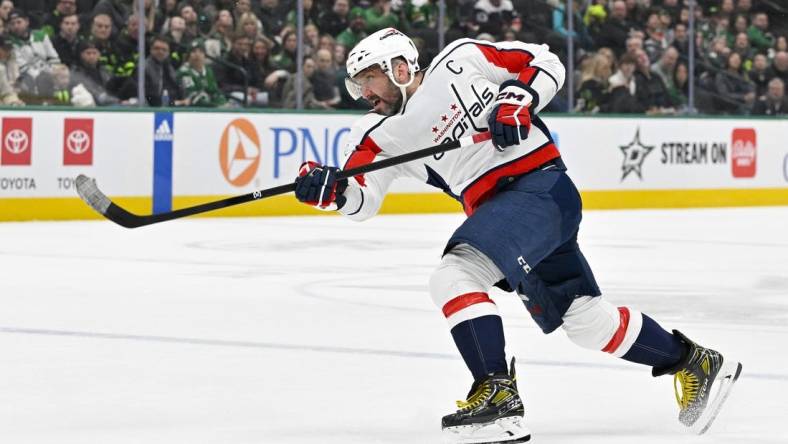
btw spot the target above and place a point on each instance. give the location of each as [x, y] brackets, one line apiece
[16, 141]
[78, 141]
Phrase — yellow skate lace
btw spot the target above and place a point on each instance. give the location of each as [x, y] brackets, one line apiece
[688, 390]
[477, 398]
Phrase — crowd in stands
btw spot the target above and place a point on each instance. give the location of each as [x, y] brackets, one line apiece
[632, 56]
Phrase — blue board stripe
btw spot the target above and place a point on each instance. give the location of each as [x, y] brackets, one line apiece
[163, 134]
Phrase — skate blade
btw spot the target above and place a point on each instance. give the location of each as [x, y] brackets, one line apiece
[725, 383]
[509, 430]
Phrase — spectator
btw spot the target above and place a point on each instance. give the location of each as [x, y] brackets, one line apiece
[665, 66]
[161, 84]
[127, 42]
[614, 32]
[197, 81]
[380, 16]
[67, 40]
[101, 35]
[758, 33]
[740, 24]
[261, 53]
[309, 100]
[153, 21]
[168, 9]
[744, 7]
[328, 42]
[667, 26]
[58, 91]
[774, 102]
[95, 77]
[220, 40]
[33, 52]
[679, 86]
[191, 20]
[232, 81]
[272, 16]
[355, 31]
[311, 14]
[492, 16]
[655, 42]
[5, 8]
[672, 8]
[592, 95]
[727, 8]
[779, 67]
[311, 39]
[8, 74]
[52, 19]
[179, 40]
[242, 7]
[741, 45]
[734, 92]
[324, 79]
[633, 45]
[286, 57]
[718, 54]
[249, 25]
[336, 20]
[758, 74]
[622, 89]
[651, 92]
[118, 11]
[681, 39]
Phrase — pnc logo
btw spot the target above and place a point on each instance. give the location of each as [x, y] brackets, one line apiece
[239, 152]
[16, 141]
[78, 141]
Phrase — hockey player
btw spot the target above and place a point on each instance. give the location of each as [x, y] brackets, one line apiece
[523, 218]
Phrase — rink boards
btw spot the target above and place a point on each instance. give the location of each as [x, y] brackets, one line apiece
[157, 161]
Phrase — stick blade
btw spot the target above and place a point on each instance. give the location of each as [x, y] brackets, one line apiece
[89, 192]
[91, 195]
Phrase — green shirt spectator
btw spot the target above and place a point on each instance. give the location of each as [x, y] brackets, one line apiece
[760, 39]
[379, 16]
[198, 82]
[355, 31]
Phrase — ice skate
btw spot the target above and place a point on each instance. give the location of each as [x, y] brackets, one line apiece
[492, 414]
[702, 382]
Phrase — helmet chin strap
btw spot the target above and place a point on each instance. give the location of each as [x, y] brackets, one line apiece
[403, 86]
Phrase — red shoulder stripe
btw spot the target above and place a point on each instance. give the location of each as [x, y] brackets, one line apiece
[514, 60]
[364, 154]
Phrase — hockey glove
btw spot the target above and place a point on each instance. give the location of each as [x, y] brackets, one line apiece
[510, 119]
[317, 185]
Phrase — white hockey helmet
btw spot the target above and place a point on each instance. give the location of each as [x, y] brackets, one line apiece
[380, 49]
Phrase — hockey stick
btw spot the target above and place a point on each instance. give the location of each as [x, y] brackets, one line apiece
[90, 193]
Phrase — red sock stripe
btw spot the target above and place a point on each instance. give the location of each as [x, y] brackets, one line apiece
[618, 338]
[464, 301]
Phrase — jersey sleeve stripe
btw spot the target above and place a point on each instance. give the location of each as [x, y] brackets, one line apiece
[364, 154]
[513, 60]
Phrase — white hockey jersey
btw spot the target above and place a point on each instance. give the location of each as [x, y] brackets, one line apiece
[453, 100]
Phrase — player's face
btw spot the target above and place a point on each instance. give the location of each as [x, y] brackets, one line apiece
[379, 91]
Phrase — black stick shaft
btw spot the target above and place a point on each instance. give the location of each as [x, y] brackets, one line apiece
[90, 193]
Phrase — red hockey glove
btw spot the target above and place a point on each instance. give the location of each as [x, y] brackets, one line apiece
[317, 185]
[510, 118]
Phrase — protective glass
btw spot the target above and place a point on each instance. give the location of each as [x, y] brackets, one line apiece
[356, 85]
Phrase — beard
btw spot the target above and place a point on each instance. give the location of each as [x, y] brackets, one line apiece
[392, 106]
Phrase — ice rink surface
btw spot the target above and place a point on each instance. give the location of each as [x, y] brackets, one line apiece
[321, 330]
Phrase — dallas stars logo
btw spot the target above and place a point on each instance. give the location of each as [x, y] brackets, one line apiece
[634, 155]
